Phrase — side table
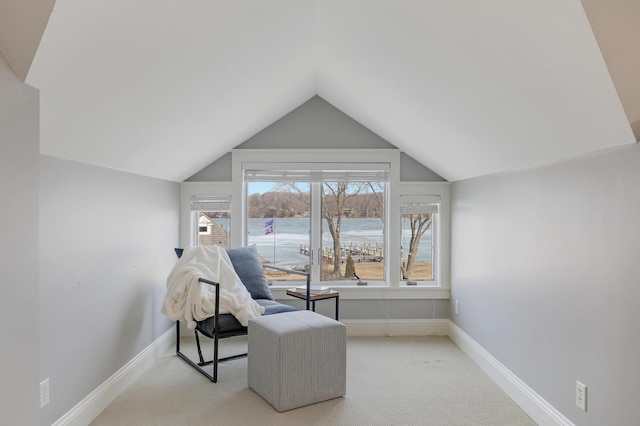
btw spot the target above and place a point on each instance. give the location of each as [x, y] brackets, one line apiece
[315, 297]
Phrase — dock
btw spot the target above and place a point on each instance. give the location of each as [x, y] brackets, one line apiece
[360, 251]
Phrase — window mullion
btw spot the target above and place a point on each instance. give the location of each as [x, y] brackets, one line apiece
[316, 231]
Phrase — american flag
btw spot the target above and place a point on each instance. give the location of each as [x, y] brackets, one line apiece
[269, 225]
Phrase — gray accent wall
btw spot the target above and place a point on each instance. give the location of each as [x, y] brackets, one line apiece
[106, 249]
[316, 124]
[218, 171]
[413, 171]
[19, 147]
[545, 266]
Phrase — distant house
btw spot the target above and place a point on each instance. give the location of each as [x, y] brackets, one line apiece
[211, 233]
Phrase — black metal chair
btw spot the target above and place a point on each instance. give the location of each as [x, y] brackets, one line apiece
[221, 326]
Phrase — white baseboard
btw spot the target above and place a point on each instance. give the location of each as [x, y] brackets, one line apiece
[410, 327]
[533, 404]
[93, 404]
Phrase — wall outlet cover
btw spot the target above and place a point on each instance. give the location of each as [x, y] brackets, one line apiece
[581, 396]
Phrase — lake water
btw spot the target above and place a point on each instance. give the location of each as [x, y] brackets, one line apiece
[290, 233]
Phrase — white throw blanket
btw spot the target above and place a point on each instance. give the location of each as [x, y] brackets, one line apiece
[189, 300]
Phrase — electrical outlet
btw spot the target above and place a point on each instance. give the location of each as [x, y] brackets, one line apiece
[457, 307]
[44, 392]
[581, 396]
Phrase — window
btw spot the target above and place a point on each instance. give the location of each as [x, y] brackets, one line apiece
[418, 217]
[278, 223]
[377, 229]
[325, 218]
[352, 230]
[211, 220]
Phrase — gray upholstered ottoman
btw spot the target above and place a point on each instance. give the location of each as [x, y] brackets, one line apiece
[297, 358]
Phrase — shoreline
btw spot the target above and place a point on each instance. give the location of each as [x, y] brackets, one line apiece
[365, 270]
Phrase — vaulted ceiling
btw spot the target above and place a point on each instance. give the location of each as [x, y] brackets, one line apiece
[164, 87]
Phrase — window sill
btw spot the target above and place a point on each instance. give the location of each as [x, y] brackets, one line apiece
[377, 292]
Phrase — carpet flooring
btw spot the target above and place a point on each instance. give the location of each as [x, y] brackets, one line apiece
[390, 381]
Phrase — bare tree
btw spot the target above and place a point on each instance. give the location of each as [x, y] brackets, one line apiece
[420, 223]
[377, 190]
[335, 202]
[336, 197]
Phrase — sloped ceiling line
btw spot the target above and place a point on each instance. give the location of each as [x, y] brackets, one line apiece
[467, 88]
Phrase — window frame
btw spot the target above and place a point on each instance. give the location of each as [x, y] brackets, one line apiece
[316, 242]
[385, 241]
[337, 159]
[441, 230]
[189, 220]
[393, 288]
[435, 236]
[316, 174]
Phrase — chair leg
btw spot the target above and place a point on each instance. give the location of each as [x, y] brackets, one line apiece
[214, 361]
[177, 337]
[215, 358]
[199, 348]
[198, 366]
[213, 378]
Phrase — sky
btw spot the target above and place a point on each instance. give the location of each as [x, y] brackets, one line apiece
[260, 187]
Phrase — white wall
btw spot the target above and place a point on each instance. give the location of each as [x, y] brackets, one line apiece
[19, 127]
[545, 268]
[106, 248]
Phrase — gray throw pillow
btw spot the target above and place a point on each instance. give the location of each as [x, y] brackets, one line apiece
[247, 264]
